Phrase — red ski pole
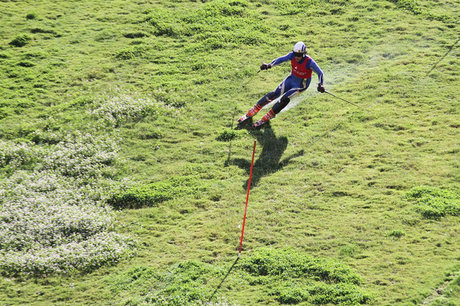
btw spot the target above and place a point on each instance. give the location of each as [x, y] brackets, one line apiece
[247, 199]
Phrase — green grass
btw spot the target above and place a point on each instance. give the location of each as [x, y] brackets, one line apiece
[370, 193]
[155, 193]
[435, 203]
[283, 275]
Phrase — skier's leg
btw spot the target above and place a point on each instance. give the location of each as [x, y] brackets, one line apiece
[268, 98]
[285, 99]
[272, 95]
[267, 117]
[261, 103]
[264, 101]
[275, 110]
[292, 92]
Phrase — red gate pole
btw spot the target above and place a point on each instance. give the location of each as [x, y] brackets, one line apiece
[247, 198]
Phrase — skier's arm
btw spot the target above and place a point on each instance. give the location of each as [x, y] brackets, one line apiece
[312, 65]
[282, 59]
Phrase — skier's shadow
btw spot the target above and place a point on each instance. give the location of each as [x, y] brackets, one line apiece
[269, 160]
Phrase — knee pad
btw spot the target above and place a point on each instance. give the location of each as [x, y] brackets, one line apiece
[281, 104]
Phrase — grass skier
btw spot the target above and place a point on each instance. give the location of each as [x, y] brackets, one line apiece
[298, 80]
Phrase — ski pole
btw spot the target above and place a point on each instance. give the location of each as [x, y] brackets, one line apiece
[342, 99]
[247, 198]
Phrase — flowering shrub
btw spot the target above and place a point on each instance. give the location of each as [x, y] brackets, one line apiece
[81, 155]
[98, 250]
[47, 137]
[54, 219]
[15, 155]
[124, 107]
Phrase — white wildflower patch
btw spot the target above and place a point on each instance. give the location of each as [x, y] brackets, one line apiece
[81, 155]
[125, 107]
[98, 250]
[54, 219]
[15, 155]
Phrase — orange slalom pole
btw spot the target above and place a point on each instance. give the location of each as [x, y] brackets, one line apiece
[247, 198]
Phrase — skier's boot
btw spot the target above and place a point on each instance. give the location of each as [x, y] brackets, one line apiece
[250, 113]
[270, 115]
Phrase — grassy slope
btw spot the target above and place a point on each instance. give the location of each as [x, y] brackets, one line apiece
[339, 192]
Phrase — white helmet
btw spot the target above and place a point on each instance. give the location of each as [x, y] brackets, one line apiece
[300, 48]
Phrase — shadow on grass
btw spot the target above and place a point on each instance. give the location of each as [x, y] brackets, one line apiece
[442, 57]
[269, 160]
[223, 280]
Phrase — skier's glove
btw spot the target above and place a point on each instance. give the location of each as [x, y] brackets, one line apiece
[265, 66]
[321, 88]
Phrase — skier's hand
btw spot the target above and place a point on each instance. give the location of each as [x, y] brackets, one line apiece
[321, 88]
[265, 66]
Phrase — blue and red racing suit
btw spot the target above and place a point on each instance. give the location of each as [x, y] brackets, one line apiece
[298, 80]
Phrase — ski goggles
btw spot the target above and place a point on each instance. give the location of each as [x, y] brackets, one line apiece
[298, 54]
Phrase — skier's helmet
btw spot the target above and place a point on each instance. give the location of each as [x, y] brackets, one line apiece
[299, 49]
